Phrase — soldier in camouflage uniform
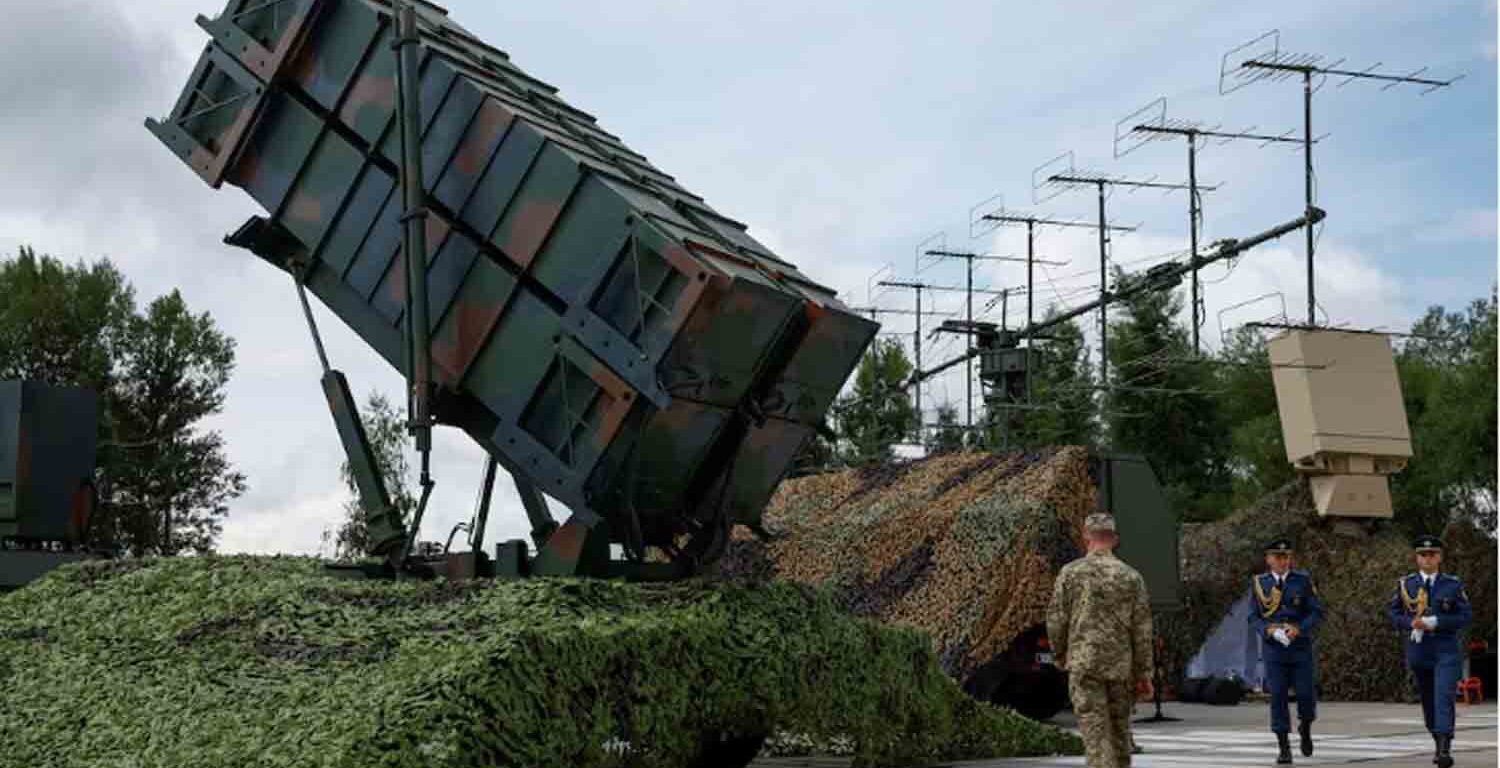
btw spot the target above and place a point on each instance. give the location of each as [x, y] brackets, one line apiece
[1099, 623]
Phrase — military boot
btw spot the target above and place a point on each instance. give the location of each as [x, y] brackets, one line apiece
[1444, 759]
[1304, 730]
[1284, 743]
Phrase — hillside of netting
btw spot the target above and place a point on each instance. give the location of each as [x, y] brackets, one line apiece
[962, 546]
[244, 661]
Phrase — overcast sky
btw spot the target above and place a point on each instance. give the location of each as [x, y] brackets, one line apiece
[843, 133]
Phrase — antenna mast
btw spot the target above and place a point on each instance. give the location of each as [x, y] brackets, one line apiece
[1262, 59]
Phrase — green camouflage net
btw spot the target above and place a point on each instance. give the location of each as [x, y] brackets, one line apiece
[961, 546]
[242, 661]
[1360, 657]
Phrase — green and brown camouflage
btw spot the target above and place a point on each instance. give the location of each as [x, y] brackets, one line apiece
[595, 326]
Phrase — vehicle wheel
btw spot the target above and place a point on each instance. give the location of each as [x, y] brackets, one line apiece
[1038, 695]
[725, 750]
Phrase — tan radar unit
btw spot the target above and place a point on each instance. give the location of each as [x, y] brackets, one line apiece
[1342, 416]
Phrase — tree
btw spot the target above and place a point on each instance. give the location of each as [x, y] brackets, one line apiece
[1161, 404]
[948, 437]
[1247, 402]
[877, 413]
[164, 484]
[1448, 381]
[62, 324]
[174, 368]
[385, 427]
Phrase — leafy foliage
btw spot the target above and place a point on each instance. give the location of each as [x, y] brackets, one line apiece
[1448, 379]
[878, 413]
[948, 437]
[269, 662]
[1247, 399]
[1163, 408]
[164, 483]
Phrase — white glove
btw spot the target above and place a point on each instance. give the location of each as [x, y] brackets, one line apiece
[1281, 636]
[1429, 622]
[1416, 635]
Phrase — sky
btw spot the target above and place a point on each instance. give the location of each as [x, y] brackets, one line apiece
[845, 134]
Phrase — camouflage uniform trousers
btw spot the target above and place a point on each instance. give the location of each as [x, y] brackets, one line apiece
[1103, 711]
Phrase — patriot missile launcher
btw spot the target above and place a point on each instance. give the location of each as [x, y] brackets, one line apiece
[610, 339]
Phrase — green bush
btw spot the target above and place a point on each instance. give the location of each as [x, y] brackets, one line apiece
[242, 661]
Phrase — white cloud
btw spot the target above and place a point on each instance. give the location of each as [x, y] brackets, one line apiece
[842, 133]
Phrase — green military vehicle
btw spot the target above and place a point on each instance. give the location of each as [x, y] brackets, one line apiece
[606, 336]
[47, 454]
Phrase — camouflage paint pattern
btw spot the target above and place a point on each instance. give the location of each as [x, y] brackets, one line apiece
[472, 156]
[569, 280]
[324, 67]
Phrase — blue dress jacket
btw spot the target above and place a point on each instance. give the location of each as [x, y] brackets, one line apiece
[1295, 603]
[1447, 601]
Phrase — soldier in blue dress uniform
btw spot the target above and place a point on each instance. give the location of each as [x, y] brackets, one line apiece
[1285, 611]
[1432, 610]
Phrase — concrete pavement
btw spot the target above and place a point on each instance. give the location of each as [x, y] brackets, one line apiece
[1384, 735]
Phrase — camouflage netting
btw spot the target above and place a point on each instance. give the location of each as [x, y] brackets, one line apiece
[1359, 654]
[243, 661]
[962, 546]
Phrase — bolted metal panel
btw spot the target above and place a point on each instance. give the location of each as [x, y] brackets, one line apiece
[719, 352]
[358, 218]
[833, 344]
[597, 327]
[21, 567]
[1338, 392]
[325, 67]
[1147, 525]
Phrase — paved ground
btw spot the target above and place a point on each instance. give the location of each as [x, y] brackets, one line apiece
[1384, 735]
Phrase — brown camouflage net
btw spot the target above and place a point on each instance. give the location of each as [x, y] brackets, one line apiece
[963, 546]
[1359, 654]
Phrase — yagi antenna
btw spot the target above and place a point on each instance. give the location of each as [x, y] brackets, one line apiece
[1263, 59]
[1060, 173]
[1150, 123]
[979, 224]
[937, 241]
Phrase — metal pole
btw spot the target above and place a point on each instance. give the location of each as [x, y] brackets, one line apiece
[1307, 153]
[1193, 228]
[482, 516]
[917, 343]
[1103, 292]
[1029, 291]
[414, 248]
[969, 366]
[307, 312]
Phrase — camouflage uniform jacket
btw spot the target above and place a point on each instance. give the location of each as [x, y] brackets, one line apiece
[1099, 621]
